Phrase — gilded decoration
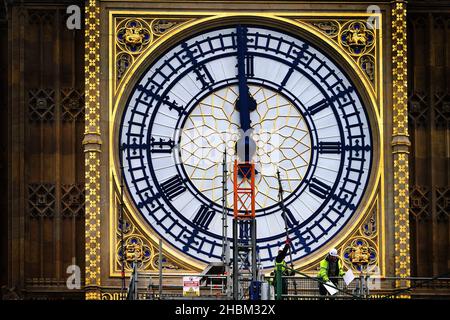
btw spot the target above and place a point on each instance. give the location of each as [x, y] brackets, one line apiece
[137, 247]
[361, 251]
[353, 39]
[361, 254]
[357, 38]
[133, 36]
[92, 144]
[400, 143]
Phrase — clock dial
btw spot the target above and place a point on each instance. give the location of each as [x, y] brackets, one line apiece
[309, 122]
[281, 135]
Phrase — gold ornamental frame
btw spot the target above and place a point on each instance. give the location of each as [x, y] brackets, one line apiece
[372, 204]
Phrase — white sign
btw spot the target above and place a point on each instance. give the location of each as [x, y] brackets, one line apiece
[330, 287]
[191, 286]
[349, 277]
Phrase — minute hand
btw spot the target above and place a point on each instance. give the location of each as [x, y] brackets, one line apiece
[243, 102]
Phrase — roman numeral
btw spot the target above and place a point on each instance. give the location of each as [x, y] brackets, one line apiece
[330, 147]
[161, 146]
[149, 93]
[324, 103]
[290, 219]
[173, 187]
[319, 188]
[201, 71]
[204, 217]
[299, 55]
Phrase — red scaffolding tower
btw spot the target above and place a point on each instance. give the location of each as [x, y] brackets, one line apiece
[244, 226]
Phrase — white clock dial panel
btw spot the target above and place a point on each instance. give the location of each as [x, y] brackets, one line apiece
[309, 123]
[281, 134]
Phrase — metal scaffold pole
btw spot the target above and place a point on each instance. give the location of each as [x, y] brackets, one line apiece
[235, 262]
[283, 211]
[225, 242]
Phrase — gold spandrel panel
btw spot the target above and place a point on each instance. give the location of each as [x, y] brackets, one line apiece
[133, 36]
[357, 38]
[138, 247]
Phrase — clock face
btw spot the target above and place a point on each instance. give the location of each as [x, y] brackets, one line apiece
[309, 123]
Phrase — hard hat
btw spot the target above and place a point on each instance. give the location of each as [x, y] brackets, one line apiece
[280, 248]
[334, 253]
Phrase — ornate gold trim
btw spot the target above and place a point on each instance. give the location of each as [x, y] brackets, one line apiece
[135, 239]
[92, 143]
[356, 38]
[400, 143]
[146, 31]
[302, 23]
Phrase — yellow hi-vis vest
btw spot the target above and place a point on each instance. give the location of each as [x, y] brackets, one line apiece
[283, 265]
[323, 272]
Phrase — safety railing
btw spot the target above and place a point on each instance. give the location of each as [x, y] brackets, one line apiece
[296, 287]
[210, 287]
[302, 286]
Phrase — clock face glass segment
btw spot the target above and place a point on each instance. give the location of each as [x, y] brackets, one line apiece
[309, 123]
[279, 131]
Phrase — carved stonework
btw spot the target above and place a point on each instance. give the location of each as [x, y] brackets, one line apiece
[161, 26]
[137, 250]
[42, 17]
[41, 200]
[124, 61]
[419, 203]
[418, 111]
[41, 105]
[72, 103]
[442, 110]
[72, 201]
[443, 204]
[400, 143]
[166, 263]
[92, 148]
[367, 64]
[11, 293]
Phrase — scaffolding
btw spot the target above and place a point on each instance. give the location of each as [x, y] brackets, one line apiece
[244, 227]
